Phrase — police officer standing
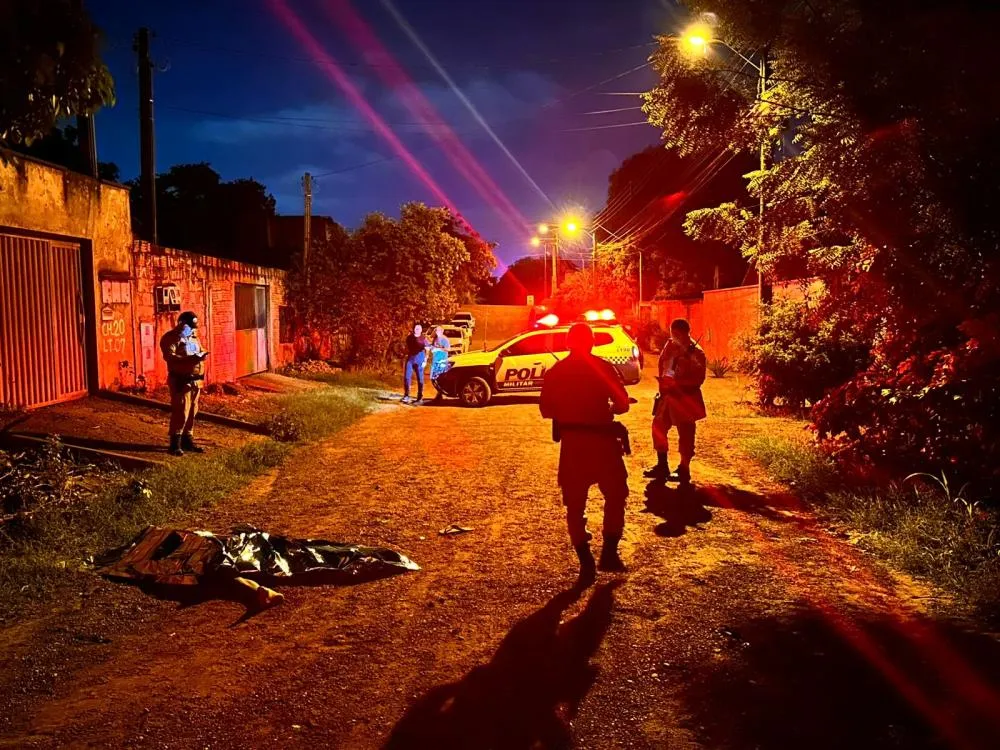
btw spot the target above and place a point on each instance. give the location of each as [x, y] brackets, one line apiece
[581, 394]
[185, 373]
[680, 403]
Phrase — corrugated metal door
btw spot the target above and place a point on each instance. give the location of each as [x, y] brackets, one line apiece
[42, 353]
[251, 329]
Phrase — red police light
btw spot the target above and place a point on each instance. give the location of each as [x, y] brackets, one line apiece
[548, 320]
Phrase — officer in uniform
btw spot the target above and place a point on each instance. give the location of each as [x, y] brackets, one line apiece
[581, 394]
[679, 403]
[185, 373]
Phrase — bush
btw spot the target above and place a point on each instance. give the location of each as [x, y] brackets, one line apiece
[651, 337]
[935, 411]
[797, 355]
[719, 367]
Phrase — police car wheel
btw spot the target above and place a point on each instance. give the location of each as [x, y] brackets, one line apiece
[474, 392]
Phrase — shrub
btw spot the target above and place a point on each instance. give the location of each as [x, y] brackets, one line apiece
[797, 355]
[935, 411]
[651, 337]
[719, 367]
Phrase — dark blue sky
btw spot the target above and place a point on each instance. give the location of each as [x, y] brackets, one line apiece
[239, 90]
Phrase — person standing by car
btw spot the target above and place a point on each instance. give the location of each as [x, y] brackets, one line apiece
[440, 347]
[582, 394]
[679, 404]
[416, 358]
[185, 373]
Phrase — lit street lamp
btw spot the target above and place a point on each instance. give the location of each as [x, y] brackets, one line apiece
[699, 37]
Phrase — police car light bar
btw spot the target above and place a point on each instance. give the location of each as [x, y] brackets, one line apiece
[548, 320]
[607, 315]
[591, 315]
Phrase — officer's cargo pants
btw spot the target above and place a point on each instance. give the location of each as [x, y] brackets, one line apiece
[586, 459]
[183, 404]
[662, 423]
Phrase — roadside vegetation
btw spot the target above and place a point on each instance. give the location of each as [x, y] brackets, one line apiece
[56, 513]
[922, 524]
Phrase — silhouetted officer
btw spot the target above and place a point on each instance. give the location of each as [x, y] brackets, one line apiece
[185, 373]
[581, 394]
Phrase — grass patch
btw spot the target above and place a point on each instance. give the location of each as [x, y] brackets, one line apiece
[66, 513]
[921, 525]
[370, 379]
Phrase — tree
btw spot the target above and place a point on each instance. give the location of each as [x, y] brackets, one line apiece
[649, 196]
[371, 285]
[888, 194]
[52, 68]
[593, 289]
[62, 146]
[197, 211]
[474, 276]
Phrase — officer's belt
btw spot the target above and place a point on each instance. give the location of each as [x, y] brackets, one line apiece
[613, 429]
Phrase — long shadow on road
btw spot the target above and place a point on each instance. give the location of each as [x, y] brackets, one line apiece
[684, 507]
[513, 701]
[816, 679]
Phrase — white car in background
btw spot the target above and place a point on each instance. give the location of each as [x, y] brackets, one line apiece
[464, 320]
[458, 339]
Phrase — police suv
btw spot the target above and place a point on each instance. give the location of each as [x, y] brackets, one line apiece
[519, 364]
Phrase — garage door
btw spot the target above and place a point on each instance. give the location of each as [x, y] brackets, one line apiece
[42, 355]
[251, 329]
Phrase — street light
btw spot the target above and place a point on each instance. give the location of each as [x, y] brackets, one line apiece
[699, 37]
[536, 241]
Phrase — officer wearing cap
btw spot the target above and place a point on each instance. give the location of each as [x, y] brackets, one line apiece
[185, 373]
[581, 395]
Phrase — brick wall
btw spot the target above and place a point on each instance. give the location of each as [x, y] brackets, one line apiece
[207, 286]
[722, 316]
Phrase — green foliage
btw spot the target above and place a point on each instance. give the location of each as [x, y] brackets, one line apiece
[877, 182]
[922, 525]
[197, 211]
[719, 367]
[374, 283]
[797, 355]
[590, 289]
[52, 68]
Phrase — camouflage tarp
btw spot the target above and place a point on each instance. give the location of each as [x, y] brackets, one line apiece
[179, 557]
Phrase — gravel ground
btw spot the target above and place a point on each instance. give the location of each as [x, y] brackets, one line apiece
[741, 623]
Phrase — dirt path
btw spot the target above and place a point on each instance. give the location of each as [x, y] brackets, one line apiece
[740, 624]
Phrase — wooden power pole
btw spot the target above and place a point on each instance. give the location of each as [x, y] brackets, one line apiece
[147, 140]
[307, 206]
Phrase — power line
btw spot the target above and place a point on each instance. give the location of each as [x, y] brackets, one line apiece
[606, 127]
[611, 111]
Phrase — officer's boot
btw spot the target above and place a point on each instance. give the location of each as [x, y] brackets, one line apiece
[588, 567]
[188, 444]
[662, 468]
[611, 561]
[175, 446]
[682, 475]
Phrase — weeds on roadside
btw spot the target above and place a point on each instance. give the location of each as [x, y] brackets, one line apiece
[719, 367]
[922, 524]
[370, 379]
[78, 511]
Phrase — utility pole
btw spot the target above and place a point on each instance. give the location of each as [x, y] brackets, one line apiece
[85, 129]
[307, 209]
[764, 291]
[555, 261]
[147, 140]
[640, 281]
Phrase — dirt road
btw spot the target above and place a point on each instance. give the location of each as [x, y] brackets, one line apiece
[741, 622]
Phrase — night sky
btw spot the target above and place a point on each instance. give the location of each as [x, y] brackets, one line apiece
[241, 88]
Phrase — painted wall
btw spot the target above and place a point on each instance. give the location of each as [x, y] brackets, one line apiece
[41, 198]
[207, 286]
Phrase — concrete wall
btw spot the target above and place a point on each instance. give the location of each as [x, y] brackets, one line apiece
[721, 317]
[207, 286]
[48, 200]
[497, 322]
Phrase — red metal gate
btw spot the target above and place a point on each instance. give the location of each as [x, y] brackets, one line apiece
[42, 323]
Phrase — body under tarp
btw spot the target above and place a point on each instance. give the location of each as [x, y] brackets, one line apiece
[178, 557]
